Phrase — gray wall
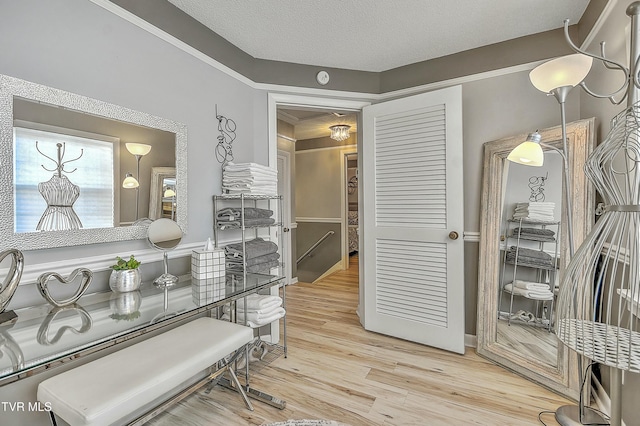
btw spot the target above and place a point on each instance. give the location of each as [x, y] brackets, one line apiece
[492, 109]
[77, 46]
[318, 195]
[80, 47]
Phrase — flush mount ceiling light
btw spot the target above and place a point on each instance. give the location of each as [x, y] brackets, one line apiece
[340, 132]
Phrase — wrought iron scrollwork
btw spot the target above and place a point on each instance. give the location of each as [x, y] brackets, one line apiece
[227, 129]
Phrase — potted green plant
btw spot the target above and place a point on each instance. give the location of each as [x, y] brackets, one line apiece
[125, 275]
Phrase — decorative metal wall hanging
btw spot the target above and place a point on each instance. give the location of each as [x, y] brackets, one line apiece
[10, 284]
[60, 194]
[536, 185]
[227, 129]
[43, 283]
[43, 331]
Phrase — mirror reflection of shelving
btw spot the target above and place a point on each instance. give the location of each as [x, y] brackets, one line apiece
[529, 272]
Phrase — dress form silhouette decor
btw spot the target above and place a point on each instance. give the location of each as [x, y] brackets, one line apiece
[60, 194]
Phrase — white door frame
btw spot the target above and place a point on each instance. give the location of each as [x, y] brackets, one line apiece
[283, 99]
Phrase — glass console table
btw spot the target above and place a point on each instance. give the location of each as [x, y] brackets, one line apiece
[44, 336]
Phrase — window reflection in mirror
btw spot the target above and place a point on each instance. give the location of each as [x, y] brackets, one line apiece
[98, 173]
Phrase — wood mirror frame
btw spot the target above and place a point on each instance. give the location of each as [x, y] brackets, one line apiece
[564, 378]
[158, 174]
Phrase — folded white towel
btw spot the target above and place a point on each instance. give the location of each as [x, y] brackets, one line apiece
[250, 185]
[528, 285]
[257, 316]
[248, 166]
[254, 313]
[531, 294]
[250, 173]
[252, 191]
[254, 322]
[249, 181]
[260, 301]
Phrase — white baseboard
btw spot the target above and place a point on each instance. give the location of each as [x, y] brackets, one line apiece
[470, 340]
[294, 280]
[335, 268]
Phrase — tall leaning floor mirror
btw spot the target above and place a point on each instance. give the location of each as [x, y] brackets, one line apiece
[516, 324]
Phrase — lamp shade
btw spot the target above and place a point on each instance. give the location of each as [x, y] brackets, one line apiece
[565, 71]
[130, 182]
[138, 148]
[529, 152]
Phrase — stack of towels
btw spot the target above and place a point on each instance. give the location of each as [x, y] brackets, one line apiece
[529, 257]
[250, 179]
[535, 234]
[532, 290]
[539, 211]
[261, 310]
[260, 256]
[229, 218]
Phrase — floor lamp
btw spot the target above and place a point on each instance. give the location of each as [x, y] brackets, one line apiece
[599, 294]
[556, 78]
[138, 150]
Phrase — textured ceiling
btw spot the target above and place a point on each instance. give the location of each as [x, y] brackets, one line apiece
[374, 35]
[310, 124]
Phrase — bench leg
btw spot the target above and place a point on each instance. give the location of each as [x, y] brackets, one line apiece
[239, 388]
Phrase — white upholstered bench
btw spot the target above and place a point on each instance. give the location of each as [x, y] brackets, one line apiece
[111, 389]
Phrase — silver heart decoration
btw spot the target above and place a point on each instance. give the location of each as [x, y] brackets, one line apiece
[10, 284]
[43, 331]
[43, 282]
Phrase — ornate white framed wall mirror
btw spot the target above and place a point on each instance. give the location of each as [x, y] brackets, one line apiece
[76, 170]
[515, 323]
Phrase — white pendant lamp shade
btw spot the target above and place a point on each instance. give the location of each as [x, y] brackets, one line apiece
[529, 152]
[138, 148]
[130, 182]
[565, 71]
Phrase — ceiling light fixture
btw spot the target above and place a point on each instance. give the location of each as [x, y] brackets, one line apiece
[340, 132]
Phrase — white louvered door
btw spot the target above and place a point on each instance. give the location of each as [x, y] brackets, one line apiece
[412, 205]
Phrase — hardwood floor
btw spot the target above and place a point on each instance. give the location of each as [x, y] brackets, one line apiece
[338, 371]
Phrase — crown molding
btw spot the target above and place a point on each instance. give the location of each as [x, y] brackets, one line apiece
[308, 91]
